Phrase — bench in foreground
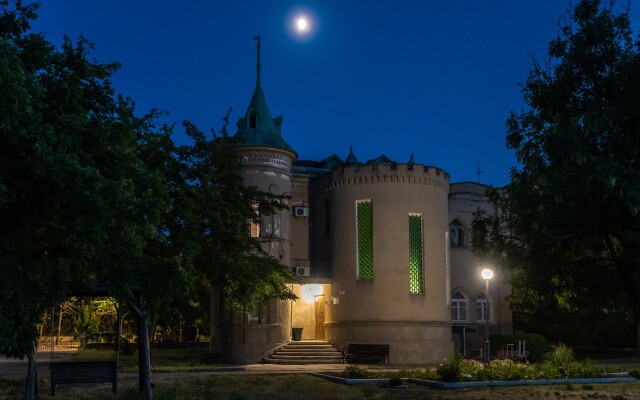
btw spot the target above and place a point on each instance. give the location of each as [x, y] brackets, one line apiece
[83, 372]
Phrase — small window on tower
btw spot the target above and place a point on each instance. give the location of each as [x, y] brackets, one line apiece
[252, 120]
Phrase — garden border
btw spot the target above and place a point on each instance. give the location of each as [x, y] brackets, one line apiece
[461, 385]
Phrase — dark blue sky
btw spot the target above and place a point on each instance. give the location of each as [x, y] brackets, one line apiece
[433, 78]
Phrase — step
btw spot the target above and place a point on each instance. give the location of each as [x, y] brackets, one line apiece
[303, 361]
[297, 351]
[306, 352]
[301, 357]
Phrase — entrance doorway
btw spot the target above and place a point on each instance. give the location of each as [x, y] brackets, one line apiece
[319, 302]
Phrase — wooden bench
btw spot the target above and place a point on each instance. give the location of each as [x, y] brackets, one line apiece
[83, 372]
[367, 352]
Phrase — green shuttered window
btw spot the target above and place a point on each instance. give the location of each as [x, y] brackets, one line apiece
[416, 275]
[364, 234]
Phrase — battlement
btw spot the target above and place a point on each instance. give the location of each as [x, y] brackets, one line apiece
[386, 173]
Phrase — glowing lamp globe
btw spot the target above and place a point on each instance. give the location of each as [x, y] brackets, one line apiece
[487, 274]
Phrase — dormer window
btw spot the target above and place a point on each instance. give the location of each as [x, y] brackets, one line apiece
[253, 119]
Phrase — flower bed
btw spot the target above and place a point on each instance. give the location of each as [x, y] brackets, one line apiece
[560, 366]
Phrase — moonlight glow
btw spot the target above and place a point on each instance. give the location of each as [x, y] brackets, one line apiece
[302, 24]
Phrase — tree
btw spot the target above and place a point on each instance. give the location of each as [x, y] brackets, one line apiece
[211, 222]
[569, 222]
[76, 201]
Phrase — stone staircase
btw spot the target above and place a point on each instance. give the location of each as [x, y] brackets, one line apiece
[305, 352]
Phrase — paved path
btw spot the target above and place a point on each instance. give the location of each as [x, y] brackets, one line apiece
[11, 368]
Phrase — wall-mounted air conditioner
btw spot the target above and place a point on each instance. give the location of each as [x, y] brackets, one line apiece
[302, 271]
[300, 211]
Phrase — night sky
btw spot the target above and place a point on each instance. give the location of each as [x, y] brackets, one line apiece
[433, 78]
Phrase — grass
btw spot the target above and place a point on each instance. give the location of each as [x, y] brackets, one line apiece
[297, 386]
[221, 386]
[162, 360]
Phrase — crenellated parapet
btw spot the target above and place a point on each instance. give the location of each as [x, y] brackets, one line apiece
[388, 173]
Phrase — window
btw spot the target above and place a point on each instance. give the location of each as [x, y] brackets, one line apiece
[254, 225]
[364, 237]
[482, 311]
[252, 120]
[457, 234]
[458, 307]
[416, 275]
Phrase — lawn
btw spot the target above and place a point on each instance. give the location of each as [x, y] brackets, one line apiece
[181, 384]
[162, 360]
[302, 386]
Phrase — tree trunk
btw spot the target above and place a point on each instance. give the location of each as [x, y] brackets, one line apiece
[152, 326]
[31, 382]
[59, 325]
[214, 323]
[118, 334]
[144, 360]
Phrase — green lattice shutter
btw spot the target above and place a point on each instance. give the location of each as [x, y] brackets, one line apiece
[416, 276]
[364, 217]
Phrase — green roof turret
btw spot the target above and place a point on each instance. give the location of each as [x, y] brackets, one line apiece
[257, 127]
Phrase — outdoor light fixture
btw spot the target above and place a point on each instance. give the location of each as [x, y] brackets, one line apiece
[487, 274]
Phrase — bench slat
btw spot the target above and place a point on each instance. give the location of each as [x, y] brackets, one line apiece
[84, 372]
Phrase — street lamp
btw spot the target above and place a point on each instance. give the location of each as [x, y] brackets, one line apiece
[487, 274]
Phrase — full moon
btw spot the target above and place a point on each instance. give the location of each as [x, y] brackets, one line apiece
[302, 24]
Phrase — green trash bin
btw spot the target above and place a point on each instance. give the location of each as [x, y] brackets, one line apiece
[296, 334]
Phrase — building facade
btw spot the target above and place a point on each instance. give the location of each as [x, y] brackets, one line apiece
[381, 248]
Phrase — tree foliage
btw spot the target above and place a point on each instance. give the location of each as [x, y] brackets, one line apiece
[90, 192]
[569, 222]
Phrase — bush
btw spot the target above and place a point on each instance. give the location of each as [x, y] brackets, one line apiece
[395, 381]
[353, 371]
[561, 363]
[451, 371]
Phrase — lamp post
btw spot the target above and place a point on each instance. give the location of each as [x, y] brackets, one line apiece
[487, 274]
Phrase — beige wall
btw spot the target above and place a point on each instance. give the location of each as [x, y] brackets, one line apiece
[269, 169]
[242, 340]
[300, 225]
[382, 310]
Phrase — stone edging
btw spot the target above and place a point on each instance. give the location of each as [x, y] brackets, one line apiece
[460, 385]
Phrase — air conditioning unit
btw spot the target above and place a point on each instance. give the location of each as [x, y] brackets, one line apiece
[302, 271]
[300, 211]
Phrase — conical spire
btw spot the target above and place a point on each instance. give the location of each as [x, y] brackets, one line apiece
[259, 60]
[411, 162]
[351, 158]
[257, 127]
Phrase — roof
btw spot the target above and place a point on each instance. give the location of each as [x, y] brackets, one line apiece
[257, 128]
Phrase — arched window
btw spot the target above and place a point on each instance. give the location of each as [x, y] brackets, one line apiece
[482, 312]
[457, 234]
[458, 307]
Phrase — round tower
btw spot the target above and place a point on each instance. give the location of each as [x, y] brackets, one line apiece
[388, 257]
[266, 161]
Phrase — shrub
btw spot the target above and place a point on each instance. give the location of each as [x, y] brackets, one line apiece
[561, 363]
[353, 371]
[395, 381]
[451, 370]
